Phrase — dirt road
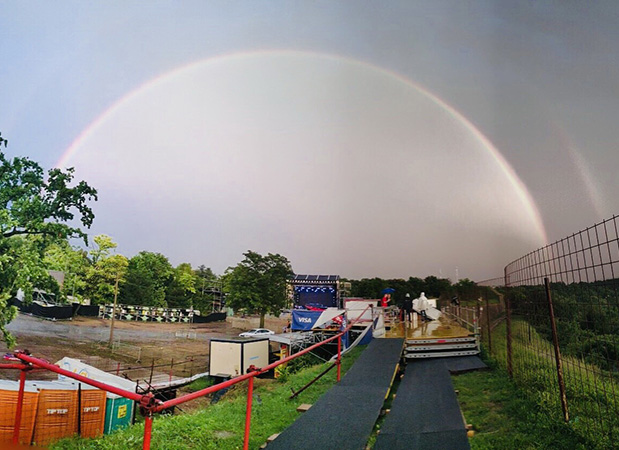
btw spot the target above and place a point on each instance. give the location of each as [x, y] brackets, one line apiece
[91, 329]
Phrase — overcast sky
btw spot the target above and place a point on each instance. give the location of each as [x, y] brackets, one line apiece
[390, 139]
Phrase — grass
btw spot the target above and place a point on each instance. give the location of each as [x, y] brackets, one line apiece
[590, 391]
[521, 414]
[503, 417]
[221, 425]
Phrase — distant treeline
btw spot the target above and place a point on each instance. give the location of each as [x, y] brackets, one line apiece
[587, 318]
[433, 287]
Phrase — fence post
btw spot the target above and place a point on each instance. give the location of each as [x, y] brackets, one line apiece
[148, 429]
[508, 321]
[20, 403]
[339, 357]
[488, 324]
[478, 326]
[250, 394]
[555, 343]
[79, 409]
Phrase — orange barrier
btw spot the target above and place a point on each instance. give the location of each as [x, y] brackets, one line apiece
[92, 411]
[56, 416]
[58, 401]
[9, 392]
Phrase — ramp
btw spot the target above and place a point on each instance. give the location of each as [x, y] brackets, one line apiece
[344, 417]
[425, 413]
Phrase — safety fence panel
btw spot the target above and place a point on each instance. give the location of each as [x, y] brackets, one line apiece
[561, 336]
[88, 407]
[41, 412]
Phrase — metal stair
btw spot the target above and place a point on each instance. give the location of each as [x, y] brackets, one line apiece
[441, 347]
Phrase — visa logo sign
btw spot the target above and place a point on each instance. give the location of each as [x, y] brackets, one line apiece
[305, 320]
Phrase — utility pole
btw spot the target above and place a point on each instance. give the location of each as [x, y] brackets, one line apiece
[114, 311]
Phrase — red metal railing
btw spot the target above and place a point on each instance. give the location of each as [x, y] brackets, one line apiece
[147, 402]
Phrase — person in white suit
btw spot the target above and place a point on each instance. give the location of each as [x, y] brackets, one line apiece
[422, 306]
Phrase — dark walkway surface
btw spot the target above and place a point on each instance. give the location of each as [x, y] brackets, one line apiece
[343, 418]
[425, 413]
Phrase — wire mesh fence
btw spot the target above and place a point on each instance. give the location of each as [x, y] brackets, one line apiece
[561, 336]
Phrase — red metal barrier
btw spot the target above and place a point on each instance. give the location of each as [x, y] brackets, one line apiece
[250, 394]
[149, 405]
[148, 431]
[20, 404]
[339, 357]
[54, 368]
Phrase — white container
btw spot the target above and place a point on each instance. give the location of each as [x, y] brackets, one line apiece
[232, 357]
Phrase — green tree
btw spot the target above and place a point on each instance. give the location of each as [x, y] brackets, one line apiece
[437, 287]
[148, 276]
[368, 287]
[104, 245]
[258, 284]
[180, 292]
[35, 211]
[467, 290]
[74, 262]
[106, 271]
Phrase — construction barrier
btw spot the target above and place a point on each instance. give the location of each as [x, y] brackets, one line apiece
[89, 407]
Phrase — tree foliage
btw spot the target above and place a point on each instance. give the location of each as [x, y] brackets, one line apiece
[36, 208]
[148, 276]
[74, 262]
[180, 292]
[32, 203]
[258, 284]
[432, 286]
[106, 269]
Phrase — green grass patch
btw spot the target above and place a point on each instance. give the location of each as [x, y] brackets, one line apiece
[590, 391]
[221, 425]
[199, 384]
[503, 417]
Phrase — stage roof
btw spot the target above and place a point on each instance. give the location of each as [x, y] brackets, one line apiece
[314, 279]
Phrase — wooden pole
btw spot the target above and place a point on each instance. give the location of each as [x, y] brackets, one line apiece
[555, 342]
[114, 312]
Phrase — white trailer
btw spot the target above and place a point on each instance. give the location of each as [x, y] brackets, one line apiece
[232, 357]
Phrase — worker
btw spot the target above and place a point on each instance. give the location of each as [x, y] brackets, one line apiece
[408, 308]
[422, 306]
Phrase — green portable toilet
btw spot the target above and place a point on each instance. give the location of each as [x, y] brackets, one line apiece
[118, 413]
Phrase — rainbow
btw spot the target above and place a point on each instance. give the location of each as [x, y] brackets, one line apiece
[519, 187]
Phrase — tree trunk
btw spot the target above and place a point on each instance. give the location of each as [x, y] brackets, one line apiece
[262, 320]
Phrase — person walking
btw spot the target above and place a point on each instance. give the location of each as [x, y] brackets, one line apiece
[422, 306]
[408, 308]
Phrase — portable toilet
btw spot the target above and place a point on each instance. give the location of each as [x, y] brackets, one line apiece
[118, 413]
[9, 391]
[57, 411]
[92, 402]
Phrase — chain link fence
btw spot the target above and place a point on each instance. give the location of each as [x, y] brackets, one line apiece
[560, 336]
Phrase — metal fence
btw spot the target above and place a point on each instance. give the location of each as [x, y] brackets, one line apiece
[560, 338]
[79, 406]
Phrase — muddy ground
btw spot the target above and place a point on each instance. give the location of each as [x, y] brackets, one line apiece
[139, 350]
